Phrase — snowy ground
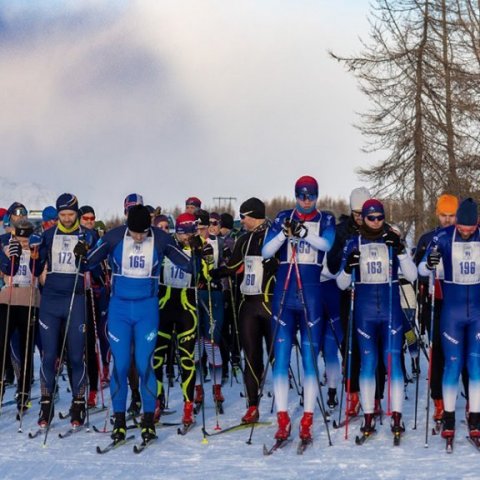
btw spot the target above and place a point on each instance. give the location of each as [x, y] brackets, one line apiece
[228, 456]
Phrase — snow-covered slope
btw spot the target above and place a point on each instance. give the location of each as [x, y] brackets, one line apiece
[32, 195]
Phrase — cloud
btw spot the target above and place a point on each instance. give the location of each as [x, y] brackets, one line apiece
[177, 98]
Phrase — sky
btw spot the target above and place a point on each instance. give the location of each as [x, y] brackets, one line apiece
[174, 98]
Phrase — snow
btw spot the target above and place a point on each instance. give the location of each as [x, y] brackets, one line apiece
[32, 195]
[228, 456]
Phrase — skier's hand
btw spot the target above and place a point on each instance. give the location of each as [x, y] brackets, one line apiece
[34, 241]
[195, 243]
[433, 259]
[353, 260]
[299, 230]
[393, 240]
[287, 227]
[215, 274]
[270, 266]
[80, 250]
[14, 249]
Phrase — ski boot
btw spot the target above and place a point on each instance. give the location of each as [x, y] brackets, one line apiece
[148, 427]
[368, 426]
[23, 403]
[353, 405]
[306, 426]
[77, 411]
[332, 401]
[218, 397]
[119, 428]
[47, 411]
[92, 399]
[474, 425]
[136, 404]
[188, 418]
[252, 415]
[284, 426]
[105, 380]
[198, 400]
[397, 426]
[448, 421]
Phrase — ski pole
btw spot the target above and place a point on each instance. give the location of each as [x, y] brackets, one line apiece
[28, 349]
[62, 350]
[310, 339]
[430, 359]
[349, 355]
[274, 336]
[390, 322]
[7, 328]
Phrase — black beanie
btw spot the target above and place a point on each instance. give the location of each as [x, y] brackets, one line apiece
[85, 209]
[203, 217]
[467, 213]
[139, 219]
[253, 207]
[226, 221]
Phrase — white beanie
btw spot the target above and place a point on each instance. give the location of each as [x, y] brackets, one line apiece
[358, 197]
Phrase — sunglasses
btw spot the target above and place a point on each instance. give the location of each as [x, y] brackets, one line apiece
[306, 196]
[373, 218]
[88, 217]
[19, 212]
[214, 222]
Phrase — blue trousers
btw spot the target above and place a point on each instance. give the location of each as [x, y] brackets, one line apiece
[133, 322]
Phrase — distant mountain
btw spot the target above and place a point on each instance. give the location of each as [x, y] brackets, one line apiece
[32, 195]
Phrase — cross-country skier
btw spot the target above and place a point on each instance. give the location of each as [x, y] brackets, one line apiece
[300, 236]
[375, 254]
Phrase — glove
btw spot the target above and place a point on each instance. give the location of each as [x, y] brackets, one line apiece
[393, 240]
[195, 243]
[433, 259]
[299, 230]
[207, 250]
[80, 250]
[226, 253]
[270, 266]
[412, 343]
[215, 273]
[353, 260]
[34, 241]
[287, 227]
[14, 249]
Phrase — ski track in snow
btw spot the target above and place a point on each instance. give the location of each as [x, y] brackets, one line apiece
[228, 456]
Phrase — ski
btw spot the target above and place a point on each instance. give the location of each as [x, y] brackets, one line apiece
[303, 445]
[449, 444]
[475, 441]
[71, 431]
[97, 430]
[336, 425]
[360, 440]
[237, 427]
[185, 428]
[142, 446]
[37, 432]
[114, 444]
[279, 444]
[14, 402]
[91, 411]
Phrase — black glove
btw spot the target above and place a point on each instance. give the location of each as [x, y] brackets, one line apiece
[353, 260]
[195, 243]
[216, 273]
[207, 250]
[270, 266]
[226, 253]
[433, 259]
[80, 250]
[393, 240]
[14, 249]
[287, 227]
[299, 230]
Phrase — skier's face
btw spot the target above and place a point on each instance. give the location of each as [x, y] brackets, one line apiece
[184, 238]
[446, 219]
[214, 227]
[308, 204]
[374, 221]
[357, 217]
[466, 231]
[191, 209]
[138, 237]
[67, 218]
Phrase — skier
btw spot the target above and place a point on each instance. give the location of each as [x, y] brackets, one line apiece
[300, 236]
[135, 252]
[56, 252]
[192, 205]
[458, 246]
[446, 209]
[376, 253]
[254, 316]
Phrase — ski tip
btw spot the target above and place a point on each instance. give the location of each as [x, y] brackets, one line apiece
[204, 441]
[426, 445]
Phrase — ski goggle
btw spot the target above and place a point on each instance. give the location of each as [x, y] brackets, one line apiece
[306, 196]
[19, 212]
[88, 218]
[214, 222]
[373, 218]
[246, 214]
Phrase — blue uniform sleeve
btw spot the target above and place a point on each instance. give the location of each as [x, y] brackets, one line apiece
[275, 237]
[102, 249]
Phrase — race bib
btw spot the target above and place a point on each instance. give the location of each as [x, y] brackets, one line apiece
[305, 253]
[466, 263]
[253, 275]
[374, 263]
[137, 257]
[174, 276]
[63, 258]
[23, 277]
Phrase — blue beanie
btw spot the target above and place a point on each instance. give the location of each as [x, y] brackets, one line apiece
[67, 201]
[49, 213]
[467, 213]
